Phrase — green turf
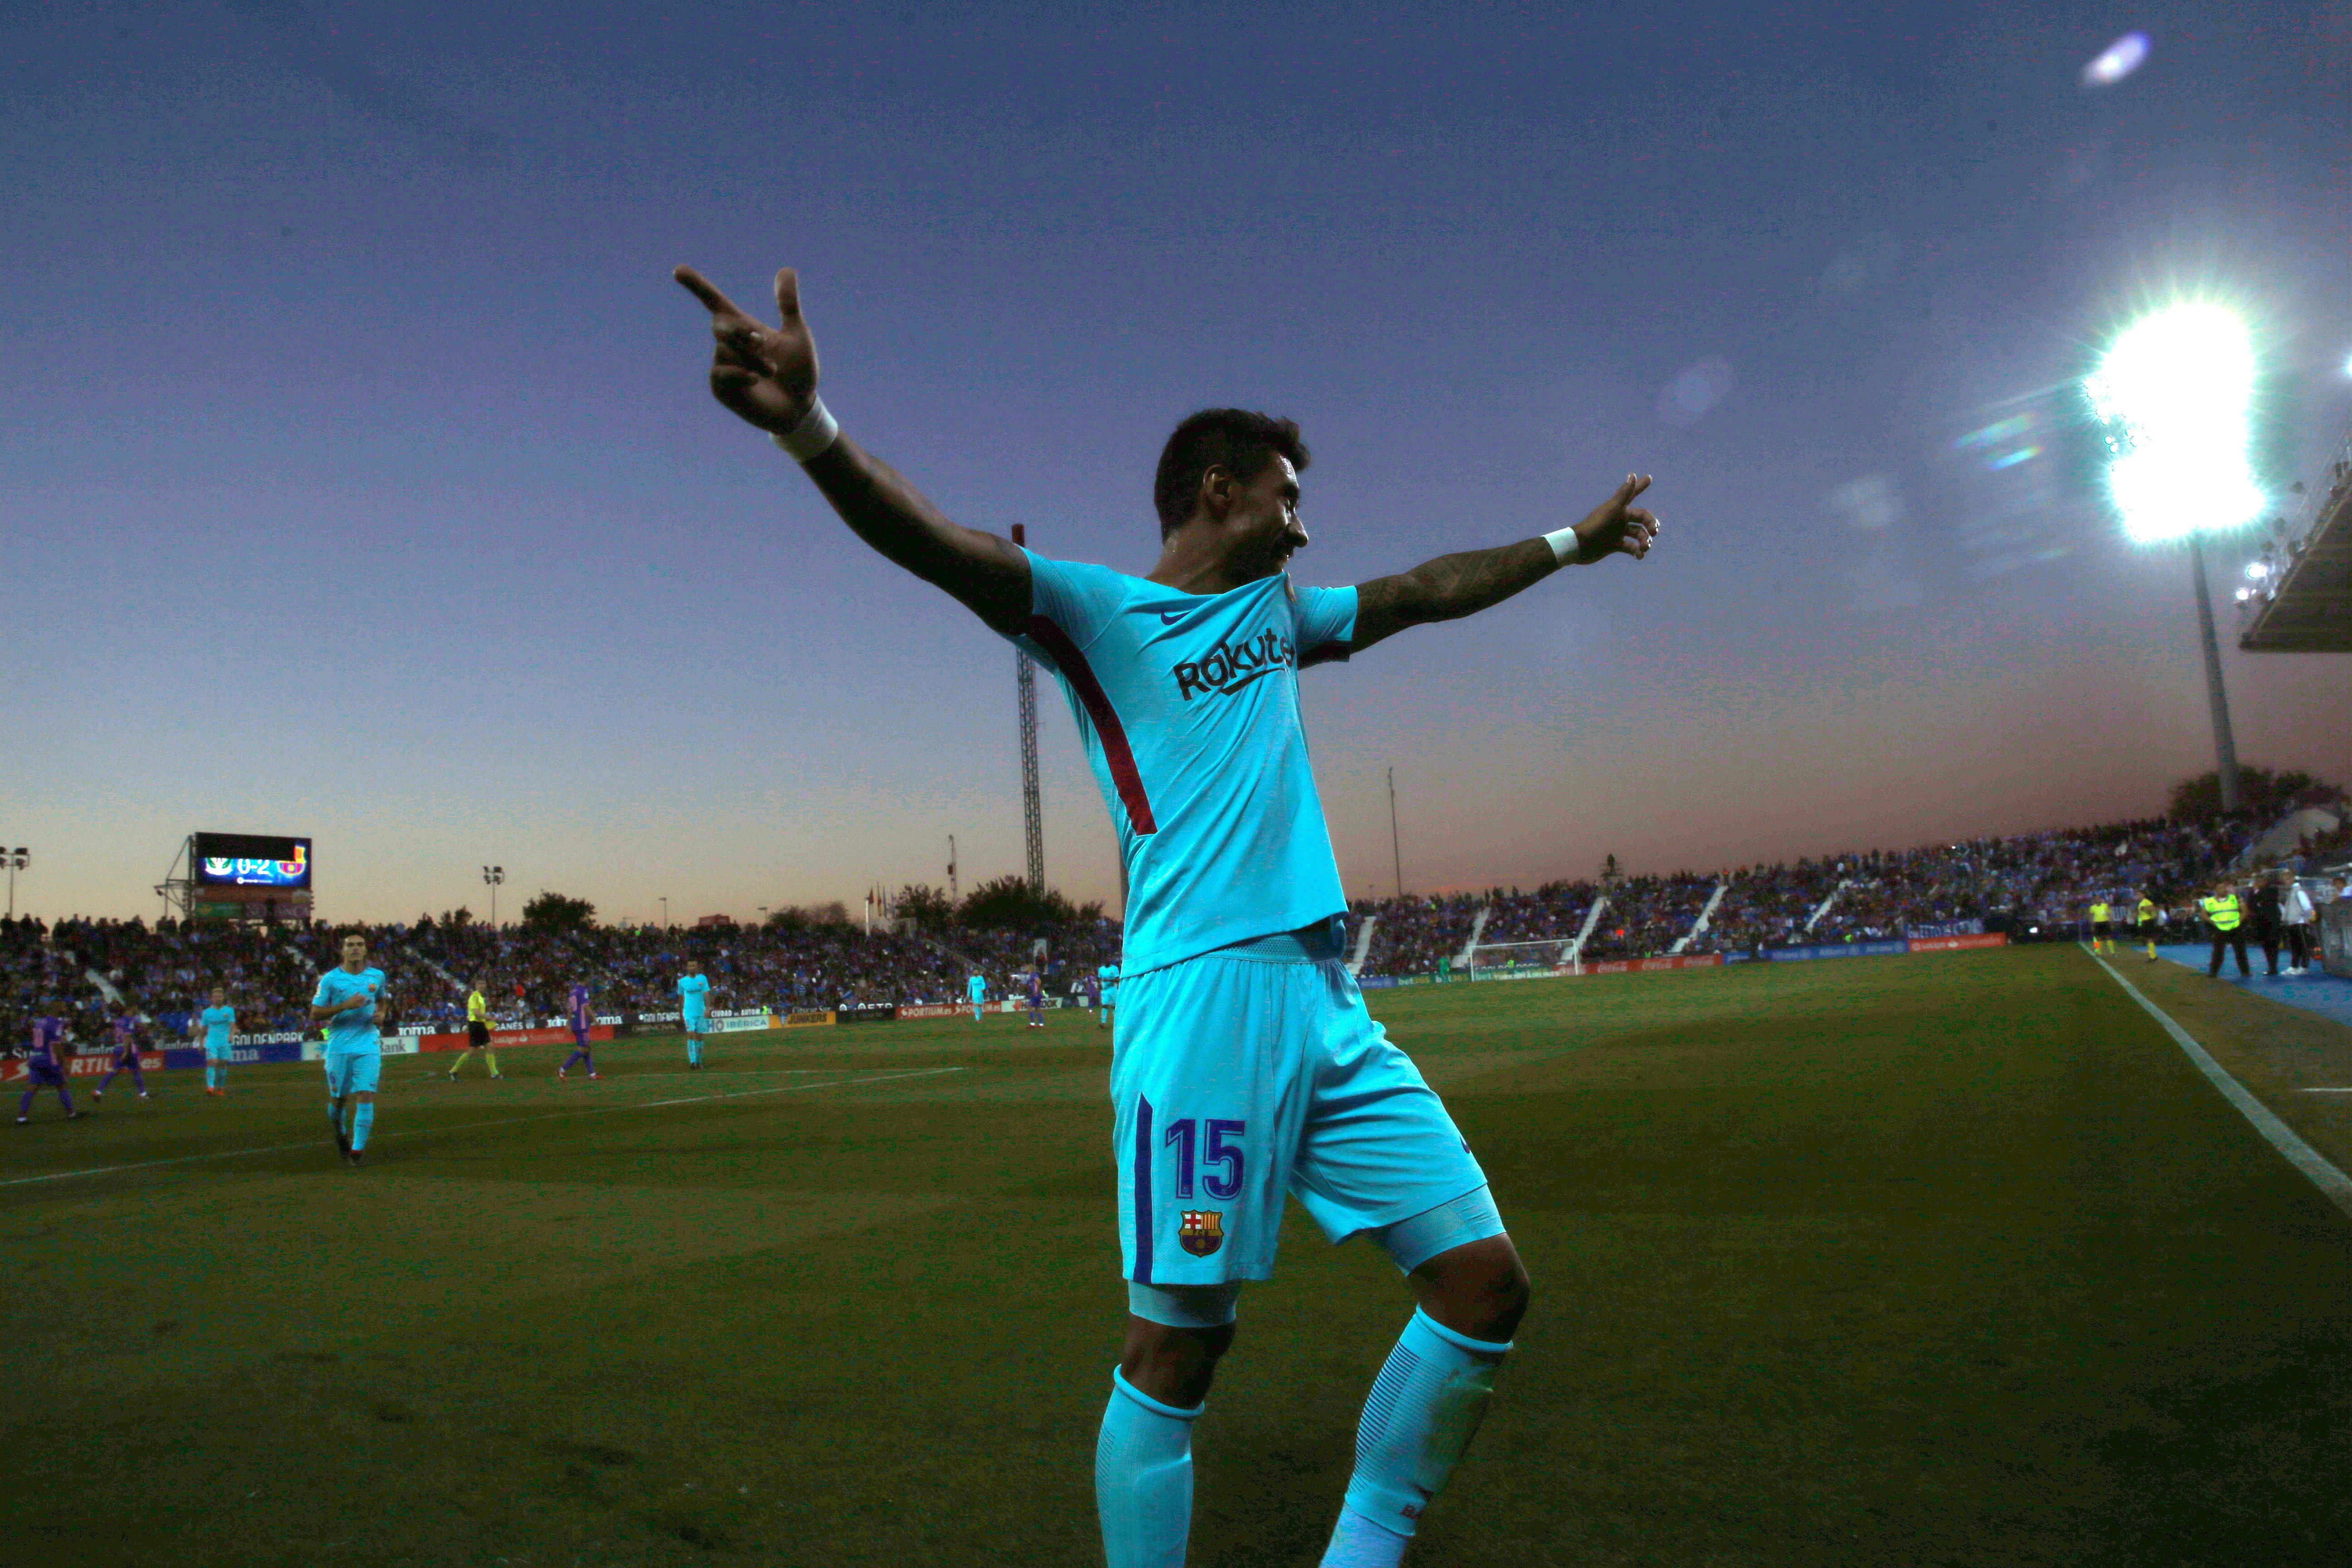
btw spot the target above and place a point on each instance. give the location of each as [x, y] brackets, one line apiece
[1913, 1261]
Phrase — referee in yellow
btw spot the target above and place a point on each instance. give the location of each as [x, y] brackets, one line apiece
[2146, 918]
[477, 1033]
[2102, 933]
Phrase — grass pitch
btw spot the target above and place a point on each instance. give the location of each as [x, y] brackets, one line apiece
[1905, 1261]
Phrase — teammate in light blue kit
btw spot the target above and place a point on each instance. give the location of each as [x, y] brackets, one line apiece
[219, 1022]
[694, 1011]
[345, 1003]
[1109, 974]
[975, 986]
[1246, 1063]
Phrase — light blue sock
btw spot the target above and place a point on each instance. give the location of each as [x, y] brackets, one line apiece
[363, 1119]
[694, 1053]
[1423, 1410]
[1143, 1479]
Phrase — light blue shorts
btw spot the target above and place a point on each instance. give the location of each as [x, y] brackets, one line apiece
[1254, 1070]
[220, 1053]
[353, 1072]
[694, 1024]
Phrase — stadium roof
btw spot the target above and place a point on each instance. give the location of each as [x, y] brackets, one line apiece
[2302, 603]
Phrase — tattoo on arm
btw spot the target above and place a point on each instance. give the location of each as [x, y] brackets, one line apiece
[1448, 588]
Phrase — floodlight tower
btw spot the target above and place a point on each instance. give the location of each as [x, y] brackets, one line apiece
[493, 876]
[2176, 390]
[1032, 815]
[19, 859]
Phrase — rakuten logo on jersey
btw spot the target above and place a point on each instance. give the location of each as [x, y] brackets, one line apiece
[1229, 666]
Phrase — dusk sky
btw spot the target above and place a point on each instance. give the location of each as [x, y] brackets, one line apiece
[359, 479]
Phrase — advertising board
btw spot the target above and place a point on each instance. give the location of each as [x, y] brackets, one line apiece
[935, 1010]
[1959, 942]
[808, 1019]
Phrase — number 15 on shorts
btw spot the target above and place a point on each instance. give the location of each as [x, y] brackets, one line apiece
[1208, 1151]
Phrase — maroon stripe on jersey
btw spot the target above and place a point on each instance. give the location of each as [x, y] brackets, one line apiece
[1122, 761]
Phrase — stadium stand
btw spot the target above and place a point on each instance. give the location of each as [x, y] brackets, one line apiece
[2028, 885]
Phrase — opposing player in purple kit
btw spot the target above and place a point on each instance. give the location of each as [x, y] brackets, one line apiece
[126, 1055]
[45, 1068]
[582, 1018]
[1245, 1062]
[1033, 991]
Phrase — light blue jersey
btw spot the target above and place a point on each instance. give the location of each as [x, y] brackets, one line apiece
[694, 997]
[352, 1032]
[976, 988]
[1188, 705]
[219, 1023]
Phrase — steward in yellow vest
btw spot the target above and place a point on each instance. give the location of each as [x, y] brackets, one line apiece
[2227, 915]
[2102, 931]
[2146, 913]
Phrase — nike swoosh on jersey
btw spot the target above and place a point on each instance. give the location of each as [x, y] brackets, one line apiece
[1170, 617]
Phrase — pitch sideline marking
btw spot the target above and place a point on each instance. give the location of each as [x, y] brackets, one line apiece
[469, 1126]
[2332, 1183]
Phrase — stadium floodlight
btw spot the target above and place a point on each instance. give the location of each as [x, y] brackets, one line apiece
[494, 876]
[19, 859]
[2176, 390]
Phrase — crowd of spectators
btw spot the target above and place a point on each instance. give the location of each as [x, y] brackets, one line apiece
[79, 968]
[2025, 879]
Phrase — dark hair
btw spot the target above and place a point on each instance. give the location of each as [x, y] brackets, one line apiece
[1234, 439]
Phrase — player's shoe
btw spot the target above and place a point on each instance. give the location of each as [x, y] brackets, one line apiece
[97, 1094]
[342, 1141]
[355, 1159]
[496, 1075]
[75, 1115]
[143, 1094]
[560, 1073]
[22, 1119]
[592, 1076]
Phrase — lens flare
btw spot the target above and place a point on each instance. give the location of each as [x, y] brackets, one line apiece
[2122, 57]
[2177, 392]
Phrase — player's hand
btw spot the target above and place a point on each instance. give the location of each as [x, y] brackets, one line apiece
[765, 375]
[1617, 526]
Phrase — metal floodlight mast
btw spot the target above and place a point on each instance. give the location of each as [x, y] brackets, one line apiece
[2177, 392]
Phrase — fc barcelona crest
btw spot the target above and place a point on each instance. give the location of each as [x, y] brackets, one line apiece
[1202, 1232]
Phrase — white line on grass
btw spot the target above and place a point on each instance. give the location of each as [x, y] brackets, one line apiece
[469, 1126]
[2331, 1181]
[2323, 1091]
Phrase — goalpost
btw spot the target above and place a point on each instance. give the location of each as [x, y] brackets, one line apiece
[1548, 954]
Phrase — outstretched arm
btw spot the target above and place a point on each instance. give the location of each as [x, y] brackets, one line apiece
[767, 377]
[1453, 587]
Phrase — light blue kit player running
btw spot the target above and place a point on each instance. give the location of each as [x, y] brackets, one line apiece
[694, 1011]
[1245, 1064]
[975, 986]
[345, 1003]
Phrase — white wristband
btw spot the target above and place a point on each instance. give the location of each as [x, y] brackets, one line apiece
[813, 435]
[1565, 546]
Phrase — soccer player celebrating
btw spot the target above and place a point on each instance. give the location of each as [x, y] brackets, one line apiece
[219, 1023]
[581, 1019]
[126, 1054]
[1247, 1062]
[45, 1068]
[694, 1011]
[345, 1003]
[975, 986]
[477, 1033]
